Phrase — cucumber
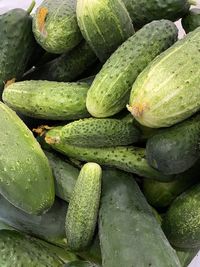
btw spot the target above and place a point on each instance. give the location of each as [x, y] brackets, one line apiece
[110, 90]
[166, 92]
[176, 149]
[67, 67]
[100, 133]
[55, 26]
[83, 207]
[182, 221]
[19, 250]
[65, 176]
[130, 159]
[104, 25]
[191, 21]
[48, 100]
[26, 177]
[129, 232]
[80, 264]
[145, 11]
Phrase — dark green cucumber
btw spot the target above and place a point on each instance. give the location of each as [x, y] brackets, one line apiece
[83, 207]
[80, 264]
[191, 21]
[128, 230]
[55, 26]
[100, 133]
[111, 88]
[104, 25]
[130, 159]
[48, 100]
[26, 178]
[182, 221]
[174, 150]
[144, 11]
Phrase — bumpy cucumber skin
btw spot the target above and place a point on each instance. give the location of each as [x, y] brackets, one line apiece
[104, 25]
[83, 207]
[100, 133]
[26, 177]
[110, 90]
[19, 250]
[126, 221]
[191, 21]
[60, 32]
[166, 92]
[176, 149]
[130, 159]
[65, 176]
[144, 11]
[48, 100]
[17, 44]
[182, 221]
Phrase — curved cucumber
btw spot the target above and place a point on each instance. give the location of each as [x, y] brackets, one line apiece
[48, 100]
[100, 133]
[104, 25]
[110, 90]
[191, 21]
[167, 91]
[55, 26]
[126, 221]
[83, 207]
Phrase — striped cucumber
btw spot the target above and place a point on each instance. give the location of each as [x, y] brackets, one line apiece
[104, 25]
[83, 207]
[48, 100]
[111, 88]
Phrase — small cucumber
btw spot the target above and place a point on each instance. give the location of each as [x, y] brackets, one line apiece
[191, 21]
[48, 100]
[100, 133]
[83, 207]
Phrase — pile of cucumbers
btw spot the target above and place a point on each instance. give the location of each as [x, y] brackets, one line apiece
[100, 134]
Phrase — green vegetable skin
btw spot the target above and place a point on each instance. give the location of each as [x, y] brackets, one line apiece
[126, 221]
[47, 99]
[191, 21]
[26, 178]
[100, 133]
[83, 207]
[167, 91]
[104, 25]
[130, 159]
[55, 26]
[176, 149]
[182, 223]
[110, 90]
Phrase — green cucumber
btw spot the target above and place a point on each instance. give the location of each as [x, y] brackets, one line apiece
[130, 159]
[104, 25]
[175, 149]
[83, 207]
[128, 230]
[191, 21]
[166, 92]
[55, 26]
[100, 133]
[48, 100]
[110, 90]
[26, 177]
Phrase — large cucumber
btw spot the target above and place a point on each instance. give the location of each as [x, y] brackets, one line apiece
[110, 90]
[83, 207]
[47, 99]
[100, 133]
[129, 232]
[130, 159]
[55, 26]
[104, 25]
[182, 221]
[26, 177]
[167, 91]
[176, 149]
